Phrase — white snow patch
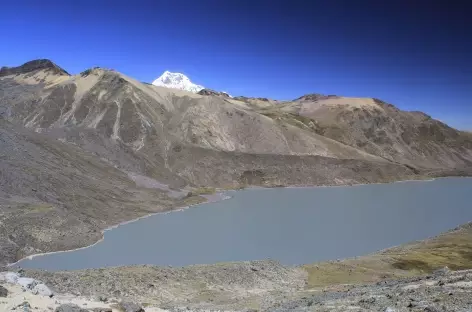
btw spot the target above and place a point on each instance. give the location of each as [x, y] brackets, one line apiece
[177, 81]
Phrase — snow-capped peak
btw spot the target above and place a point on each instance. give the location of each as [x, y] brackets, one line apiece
[176, 81]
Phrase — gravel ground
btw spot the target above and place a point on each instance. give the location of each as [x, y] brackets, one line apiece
[442, 291]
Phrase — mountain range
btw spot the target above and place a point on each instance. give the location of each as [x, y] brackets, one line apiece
[82, 152]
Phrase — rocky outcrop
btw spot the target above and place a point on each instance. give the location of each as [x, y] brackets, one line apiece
[27, 284]
[212, 92]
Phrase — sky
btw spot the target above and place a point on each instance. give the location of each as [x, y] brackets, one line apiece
[416, 55]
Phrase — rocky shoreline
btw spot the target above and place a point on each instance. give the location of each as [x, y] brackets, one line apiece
[209, 199]
[218, 196]
[442, 290]
[403, 278]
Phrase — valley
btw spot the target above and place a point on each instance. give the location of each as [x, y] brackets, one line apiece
[82, 153]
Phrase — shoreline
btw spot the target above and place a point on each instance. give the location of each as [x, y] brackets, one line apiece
[220, 196]
[208, 201]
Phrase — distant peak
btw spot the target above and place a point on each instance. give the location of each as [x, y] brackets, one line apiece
[40, 64]
[176, 81]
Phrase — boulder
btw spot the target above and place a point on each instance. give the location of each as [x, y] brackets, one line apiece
[101, 310]
[27, 283]
[101, 298]
[42, 290]
[443, 271]
[9, 277]
[3, 291]
[69, 307]
[131, 307]
[25, 306]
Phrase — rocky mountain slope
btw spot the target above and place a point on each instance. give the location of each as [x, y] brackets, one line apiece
[125, 111]
[120, 108]
[83, 148]
[380, 129]
[56, 196]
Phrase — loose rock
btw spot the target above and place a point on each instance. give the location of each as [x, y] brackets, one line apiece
[42, 290]
[27, 283]
[131, 307]
[102, 298]
[3, 291]
[69, 307]
[443, 271]
[9, 277]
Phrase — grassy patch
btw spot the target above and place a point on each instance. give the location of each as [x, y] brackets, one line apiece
[296, 120]
[269, 114]
[35, 208]
[346, 272]
[406, 264]
[203, 191]
[193, 200]
[235, 187]
[452, 249]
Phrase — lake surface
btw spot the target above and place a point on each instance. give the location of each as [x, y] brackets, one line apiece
[292, 225]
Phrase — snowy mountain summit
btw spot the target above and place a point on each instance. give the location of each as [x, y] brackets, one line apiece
[176, 81]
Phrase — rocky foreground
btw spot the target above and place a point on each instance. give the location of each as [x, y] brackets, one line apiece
[444, 290]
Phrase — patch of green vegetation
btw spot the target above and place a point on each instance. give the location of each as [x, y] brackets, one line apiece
[454, 256]
[270, 114]
[203, 191]
[405, 264]
[296, 120]
[345, 272]
[193, 200]
[235, 187]
[304, 120]
[36, 208]
[452, 249]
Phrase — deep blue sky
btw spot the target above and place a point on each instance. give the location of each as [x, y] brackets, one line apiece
[414, 54]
